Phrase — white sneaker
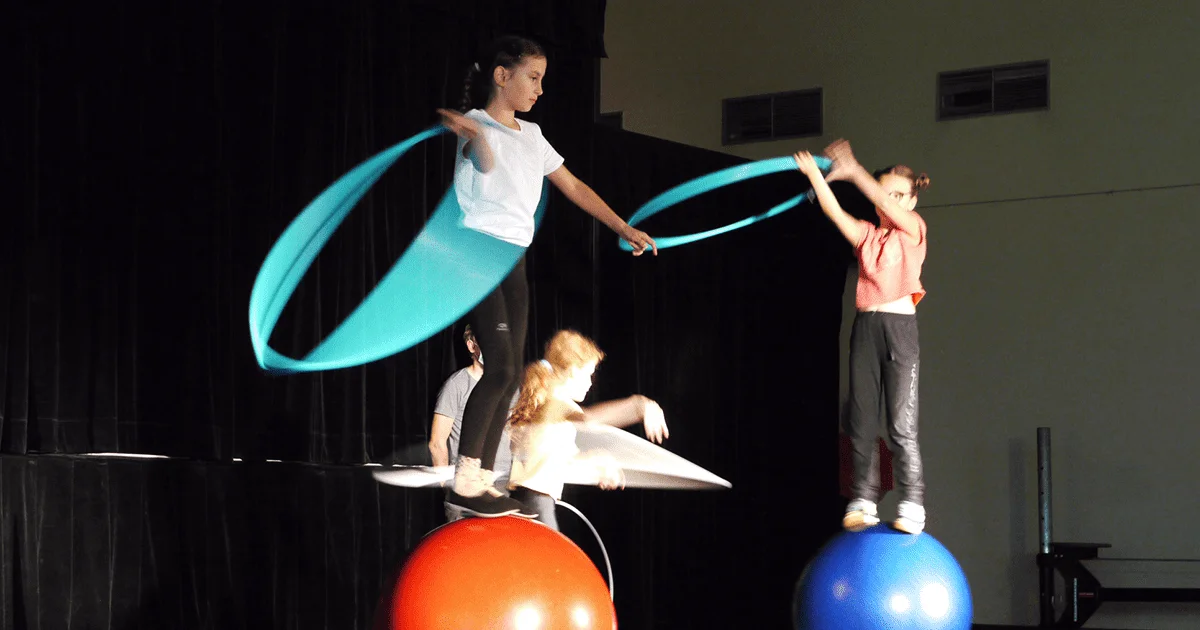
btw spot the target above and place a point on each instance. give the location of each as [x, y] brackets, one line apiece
[910, 518]
[860, 514]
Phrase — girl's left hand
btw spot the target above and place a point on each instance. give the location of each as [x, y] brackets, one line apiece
[807, 165]
[609, 472]
[639, 241]
[611, 476]
[654, 421]
[462, 126]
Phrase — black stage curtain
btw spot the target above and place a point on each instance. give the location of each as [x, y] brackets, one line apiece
[167, 147]
[737, 338]
[125, 545]
[159, 149]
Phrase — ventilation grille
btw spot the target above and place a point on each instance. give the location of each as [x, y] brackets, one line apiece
[996, 90]
[771, 117]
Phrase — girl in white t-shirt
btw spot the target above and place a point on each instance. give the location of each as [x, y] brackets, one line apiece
[543, 424]
[499, 169]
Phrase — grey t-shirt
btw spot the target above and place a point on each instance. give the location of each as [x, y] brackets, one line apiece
[451, 402]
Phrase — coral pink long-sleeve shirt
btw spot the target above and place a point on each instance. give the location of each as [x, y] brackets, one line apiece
[889, 264]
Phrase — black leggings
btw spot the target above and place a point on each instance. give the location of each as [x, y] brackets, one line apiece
[538, 503]
[499, 323]
[885, 362]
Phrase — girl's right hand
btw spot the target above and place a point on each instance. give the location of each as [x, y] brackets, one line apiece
[807, 165]
[845, 165]
[462, 126]
[654, 421]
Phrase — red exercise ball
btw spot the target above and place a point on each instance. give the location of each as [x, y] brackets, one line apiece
[502, 573]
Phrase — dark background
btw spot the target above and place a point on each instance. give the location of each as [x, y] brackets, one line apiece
[154, 154]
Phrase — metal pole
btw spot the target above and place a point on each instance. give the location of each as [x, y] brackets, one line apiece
[1045, 565]
[1043, 445]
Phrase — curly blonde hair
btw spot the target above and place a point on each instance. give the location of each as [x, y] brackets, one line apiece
[566, 350]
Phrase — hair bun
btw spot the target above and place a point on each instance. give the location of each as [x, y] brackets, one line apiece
[921, 182]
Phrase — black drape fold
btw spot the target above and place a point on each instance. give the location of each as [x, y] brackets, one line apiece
[737, 338]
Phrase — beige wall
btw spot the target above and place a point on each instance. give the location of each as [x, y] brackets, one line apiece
[1069, 310]
[1120, 83]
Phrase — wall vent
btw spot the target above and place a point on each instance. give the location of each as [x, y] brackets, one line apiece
[771, 117]
[996, 90]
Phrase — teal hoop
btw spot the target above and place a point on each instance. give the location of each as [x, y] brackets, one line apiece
[713, 181]
[444, 273]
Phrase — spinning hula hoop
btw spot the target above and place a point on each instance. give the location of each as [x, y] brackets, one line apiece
[445, 272]
[713, 181]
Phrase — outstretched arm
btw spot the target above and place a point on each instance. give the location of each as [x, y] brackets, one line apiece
[846, 167]
[850, 227]
[583, 196]
[631, 410]
[617, 413]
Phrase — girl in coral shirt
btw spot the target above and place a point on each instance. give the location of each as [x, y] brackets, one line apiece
[884, 349]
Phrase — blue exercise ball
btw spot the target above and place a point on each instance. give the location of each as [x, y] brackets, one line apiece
[883, 579]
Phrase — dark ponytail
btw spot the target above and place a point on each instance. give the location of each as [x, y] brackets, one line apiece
[472, 80]
[508, 52]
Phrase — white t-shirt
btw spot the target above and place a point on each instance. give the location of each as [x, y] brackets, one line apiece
[543, 451]
[542, 454]
[503, 201]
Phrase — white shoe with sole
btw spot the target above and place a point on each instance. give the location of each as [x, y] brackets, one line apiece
[860, 514]
[910, 518]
